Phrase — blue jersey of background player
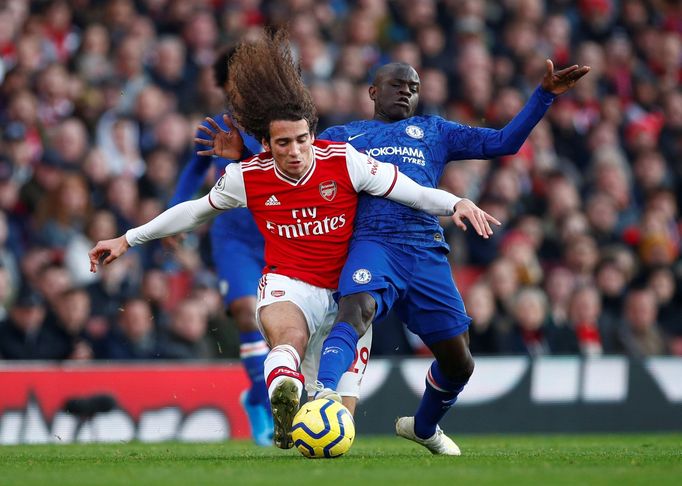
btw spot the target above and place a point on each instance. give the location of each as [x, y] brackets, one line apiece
[237, 249]
[397, 258]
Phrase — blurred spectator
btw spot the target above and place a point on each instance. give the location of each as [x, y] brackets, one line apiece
[559, 286]
[584, 312]
[222, 334]
[518, 248]
[639, 335]
[483, 333]
[133, 335]
[52, 280]
[169, 72]
[186, 337]
[581, 256]
[155, 291]
[664, 284]
[158, 182]
[129, 71]
[120, 149]
[63, 213]
[24, 335]
[69, 141]
[503, 280]
[602, 215]
[72, 312]
[92, 62]
[529, 334]
[611, 281]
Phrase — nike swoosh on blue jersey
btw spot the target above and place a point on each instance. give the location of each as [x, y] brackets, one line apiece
[355, 136]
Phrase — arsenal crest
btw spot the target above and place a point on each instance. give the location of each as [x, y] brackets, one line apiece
[328, 190]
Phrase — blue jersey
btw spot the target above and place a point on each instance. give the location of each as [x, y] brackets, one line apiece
[421, 146]
[236, 223]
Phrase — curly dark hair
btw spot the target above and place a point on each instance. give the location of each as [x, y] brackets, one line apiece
[266, 85]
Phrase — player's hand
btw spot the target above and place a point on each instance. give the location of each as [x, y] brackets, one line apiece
[227, 144]
[479, 219]
[558, 82]
[107, 251]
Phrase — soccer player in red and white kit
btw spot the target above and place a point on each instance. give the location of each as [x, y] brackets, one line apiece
[303, 196]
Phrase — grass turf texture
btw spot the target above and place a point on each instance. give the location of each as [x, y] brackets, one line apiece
[579, 459]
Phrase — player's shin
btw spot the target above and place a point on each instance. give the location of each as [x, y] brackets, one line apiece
[285, 385]
[338, 353]
[440, 395]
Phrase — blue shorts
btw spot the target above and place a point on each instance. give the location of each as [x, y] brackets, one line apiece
[415, 281]
[239, 265]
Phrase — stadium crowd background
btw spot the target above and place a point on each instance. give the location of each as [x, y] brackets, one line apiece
[99, 100]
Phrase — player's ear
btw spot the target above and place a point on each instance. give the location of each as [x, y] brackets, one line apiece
[266, 144]
[372, 92]
[312, 137]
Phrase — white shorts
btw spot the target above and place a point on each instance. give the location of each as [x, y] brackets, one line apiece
[319, 309]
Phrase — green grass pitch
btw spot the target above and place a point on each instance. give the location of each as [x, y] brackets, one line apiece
[654, 459]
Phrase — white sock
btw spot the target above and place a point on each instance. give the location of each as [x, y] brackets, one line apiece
[282, 362]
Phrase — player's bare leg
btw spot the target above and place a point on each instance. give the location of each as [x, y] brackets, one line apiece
[286, 330]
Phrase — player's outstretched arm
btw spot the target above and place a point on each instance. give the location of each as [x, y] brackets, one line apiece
[178, 219]
[441, 203]
[227, 144]
[479, 219]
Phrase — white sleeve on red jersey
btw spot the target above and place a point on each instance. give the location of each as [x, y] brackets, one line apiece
[229, 191]
[178, 219]
[368, 174]
[384, 179]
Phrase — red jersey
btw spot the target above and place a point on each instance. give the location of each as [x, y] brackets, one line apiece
[307, 223]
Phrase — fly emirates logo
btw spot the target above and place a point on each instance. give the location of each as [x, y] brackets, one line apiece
[306, 224]
[410, 155]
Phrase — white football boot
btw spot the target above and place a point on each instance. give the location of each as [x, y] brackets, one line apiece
[284, 403]
[438, 443]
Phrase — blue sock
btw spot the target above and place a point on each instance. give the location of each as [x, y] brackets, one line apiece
[439, 396]
[338, 353]
[253, 350]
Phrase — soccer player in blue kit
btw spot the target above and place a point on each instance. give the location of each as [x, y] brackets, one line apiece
[397, 258]
[237, 250]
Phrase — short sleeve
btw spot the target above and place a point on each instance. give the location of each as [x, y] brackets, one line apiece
[229, 191]
[368, 174]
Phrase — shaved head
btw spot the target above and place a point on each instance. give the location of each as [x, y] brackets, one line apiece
[394, 69]
[395, 92]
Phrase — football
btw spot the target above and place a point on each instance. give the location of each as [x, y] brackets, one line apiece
[322, 429]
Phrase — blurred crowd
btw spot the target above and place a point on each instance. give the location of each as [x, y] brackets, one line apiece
[99, 101]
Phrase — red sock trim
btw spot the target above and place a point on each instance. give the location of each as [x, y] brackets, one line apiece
[284, 371]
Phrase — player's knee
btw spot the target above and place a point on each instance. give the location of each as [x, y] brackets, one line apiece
[458, 367]
[358, 310]
[458, 371]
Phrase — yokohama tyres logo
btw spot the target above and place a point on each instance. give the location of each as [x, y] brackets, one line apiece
[328, 190]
